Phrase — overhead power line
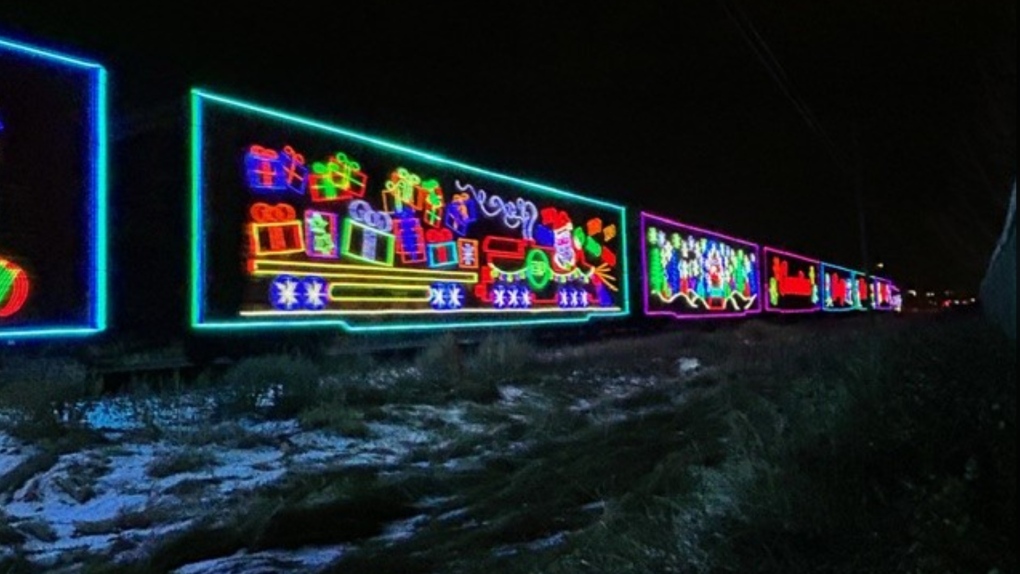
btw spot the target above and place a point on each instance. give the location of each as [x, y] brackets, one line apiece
[761, 50]
[850, 167]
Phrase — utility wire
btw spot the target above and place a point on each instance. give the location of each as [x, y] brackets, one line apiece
[850, 166]
[761, 49]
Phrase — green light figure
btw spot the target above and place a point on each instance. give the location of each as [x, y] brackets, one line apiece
[739, 266]
[434, 202]
[401, 186]
[656, 274]
[323, 239]
[814, 285]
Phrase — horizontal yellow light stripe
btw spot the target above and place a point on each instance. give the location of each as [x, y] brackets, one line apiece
[379, 299]
[386, 286]
[263, 267]
[432, 312]
[422, 297]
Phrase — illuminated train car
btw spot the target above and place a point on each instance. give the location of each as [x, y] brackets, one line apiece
[52, 194]
[844, 289]
[791, 282]
[297, 223]
[885, 295]
[692, 273]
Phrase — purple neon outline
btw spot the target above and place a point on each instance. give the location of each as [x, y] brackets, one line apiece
[687, 317]
[336, 235]
[875, 279]
[765, 249]
[824, 292]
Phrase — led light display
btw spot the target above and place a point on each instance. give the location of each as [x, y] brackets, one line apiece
[885, 295]
[298, 223]
[693, 273]
[52, 194]
[792, 283]
[844, 289]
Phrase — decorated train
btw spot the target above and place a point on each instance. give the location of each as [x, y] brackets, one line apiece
[295, 223]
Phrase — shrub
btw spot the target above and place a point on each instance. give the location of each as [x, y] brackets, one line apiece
[278, 386]
[502, 357]
[442, 361]
[40, 397]
[335, 417]
[225, 435]
[347, 365]
[179, 462]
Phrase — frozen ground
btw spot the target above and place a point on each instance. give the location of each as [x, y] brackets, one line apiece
[163, 465]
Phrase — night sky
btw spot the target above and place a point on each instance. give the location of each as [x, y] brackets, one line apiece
[758, 119]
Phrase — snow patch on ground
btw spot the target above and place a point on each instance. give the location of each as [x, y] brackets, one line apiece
[104, 500]
[687, 366]
[267, 562]
[133, 413]
[12, 453]
[402, 529]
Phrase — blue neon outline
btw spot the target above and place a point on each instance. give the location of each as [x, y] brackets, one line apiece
[97, 199]
[825, 292]
[196, 237]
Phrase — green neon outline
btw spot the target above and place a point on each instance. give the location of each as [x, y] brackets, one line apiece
[97, 152]
[197, 263]
[345, 244]
[547, 272]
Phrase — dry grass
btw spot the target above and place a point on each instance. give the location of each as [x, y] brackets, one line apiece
[179, 462]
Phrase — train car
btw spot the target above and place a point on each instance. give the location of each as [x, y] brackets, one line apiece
[296, 223]
[53, 156]
[885, 295]
[693, 273]
[844, 289]
[793, 283]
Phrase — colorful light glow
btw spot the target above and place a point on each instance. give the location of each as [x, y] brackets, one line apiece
[374, 246]
[321, 234]
[14, 287]
[346, 271]
[843, 289]
[435, 233]
[87, 189]
[885, 295]
[692, 273]
[792, 282]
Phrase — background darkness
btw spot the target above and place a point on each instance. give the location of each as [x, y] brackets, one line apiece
[673, 107]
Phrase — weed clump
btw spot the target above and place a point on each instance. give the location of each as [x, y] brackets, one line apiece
[276, 386]
[39, 399]
[442, 361]
[503, 357]
[335, 417]
[447, 370]
[179, 463]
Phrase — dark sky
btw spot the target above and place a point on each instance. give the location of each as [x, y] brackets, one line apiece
[673, 107]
